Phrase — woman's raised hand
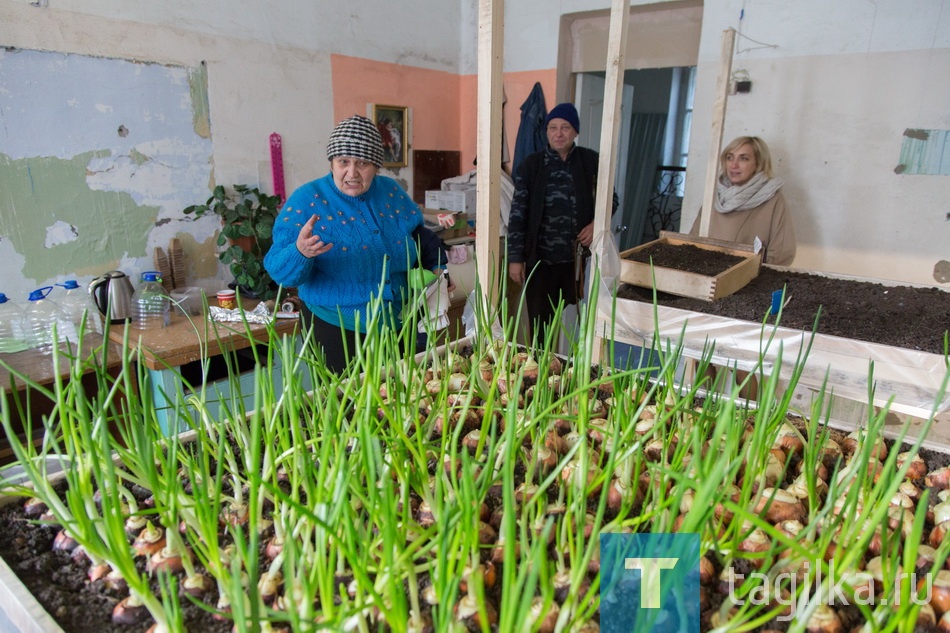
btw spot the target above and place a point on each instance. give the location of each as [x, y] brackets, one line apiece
[308, 244]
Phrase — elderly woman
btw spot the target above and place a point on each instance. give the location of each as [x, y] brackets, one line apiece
[749, 203]
[350, 237]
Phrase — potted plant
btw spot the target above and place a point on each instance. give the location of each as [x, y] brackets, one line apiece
[247, 218]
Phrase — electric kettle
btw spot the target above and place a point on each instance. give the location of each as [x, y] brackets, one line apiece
[112, 294]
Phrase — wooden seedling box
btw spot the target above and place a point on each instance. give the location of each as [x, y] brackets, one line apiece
[688, 284]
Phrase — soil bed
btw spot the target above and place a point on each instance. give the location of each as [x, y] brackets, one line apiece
[61, 584]
[685, 257]
[59, 580]
[898, 316]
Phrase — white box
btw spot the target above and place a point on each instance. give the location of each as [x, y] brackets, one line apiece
[458, 201]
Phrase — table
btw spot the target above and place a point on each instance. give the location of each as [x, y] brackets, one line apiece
[39, 368]
[189, 354]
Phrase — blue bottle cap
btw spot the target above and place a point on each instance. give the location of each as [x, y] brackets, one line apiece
[151, 275]
[40, 293]
[3, 298]
[70, 284]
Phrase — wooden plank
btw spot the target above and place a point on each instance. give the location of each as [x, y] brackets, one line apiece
[19, 607]
[737, 277]
[609, 140]
[491, 36]
[689, 284]
[39, 367]
[719, 117]
[683, 238]
[186, 340]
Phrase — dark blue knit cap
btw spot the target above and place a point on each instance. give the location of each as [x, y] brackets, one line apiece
[565, 111]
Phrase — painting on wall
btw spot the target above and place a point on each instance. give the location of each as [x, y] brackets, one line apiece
[393, 124]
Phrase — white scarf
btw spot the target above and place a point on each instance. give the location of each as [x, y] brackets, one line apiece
[758, 190]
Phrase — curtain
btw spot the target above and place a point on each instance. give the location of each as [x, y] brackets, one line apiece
[644, 156]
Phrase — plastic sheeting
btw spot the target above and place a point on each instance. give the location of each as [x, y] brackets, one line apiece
[908, 380]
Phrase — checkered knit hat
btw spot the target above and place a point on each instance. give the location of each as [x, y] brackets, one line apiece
[356, 137]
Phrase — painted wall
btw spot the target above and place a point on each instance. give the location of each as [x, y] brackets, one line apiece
[90, 173]
[834, 89]
[269, 68]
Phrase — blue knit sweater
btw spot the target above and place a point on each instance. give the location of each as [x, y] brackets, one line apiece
[370, 233]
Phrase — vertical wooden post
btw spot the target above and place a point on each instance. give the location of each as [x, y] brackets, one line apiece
[487, 178]
[609, 140]
[719, 117]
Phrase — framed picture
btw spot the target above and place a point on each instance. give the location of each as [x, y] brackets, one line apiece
[393, 125]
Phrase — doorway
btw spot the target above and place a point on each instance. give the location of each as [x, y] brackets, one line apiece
[656, 114]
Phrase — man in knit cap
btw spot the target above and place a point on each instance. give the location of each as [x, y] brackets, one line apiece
[348, 238]
[551, 225]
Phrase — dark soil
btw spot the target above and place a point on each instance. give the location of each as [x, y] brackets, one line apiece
[685, 257]
[898, 316]
[61, 585]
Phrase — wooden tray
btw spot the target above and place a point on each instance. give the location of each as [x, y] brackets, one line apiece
[688, 284]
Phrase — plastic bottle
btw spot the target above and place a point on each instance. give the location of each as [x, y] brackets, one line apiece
[11, 326]
[41, 316]
[76, 304]
[151, 306]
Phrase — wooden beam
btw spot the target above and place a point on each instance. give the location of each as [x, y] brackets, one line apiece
[719, 117]
[609, 140]
[488, 176]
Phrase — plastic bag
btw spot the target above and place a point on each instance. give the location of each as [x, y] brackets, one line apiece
[470, 320]
[433, 300]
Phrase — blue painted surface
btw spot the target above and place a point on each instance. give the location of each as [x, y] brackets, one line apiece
[925, 152]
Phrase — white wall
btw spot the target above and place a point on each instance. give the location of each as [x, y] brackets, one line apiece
[373, 29]
[834, 87]
[268, 62]
[268, 70]
[832, 96]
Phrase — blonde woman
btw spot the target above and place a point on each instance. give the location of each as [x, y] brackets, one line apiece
[749, 203]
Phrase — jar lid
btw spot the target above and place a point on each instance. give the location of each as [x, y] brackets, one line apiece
[226, 293]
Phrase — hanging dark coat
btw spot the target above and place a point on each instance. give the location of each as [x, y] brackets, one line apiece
[531, 134]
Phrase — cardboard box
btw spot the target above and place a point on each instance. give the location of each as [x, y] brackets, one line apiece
[461, 201]
[462, 227]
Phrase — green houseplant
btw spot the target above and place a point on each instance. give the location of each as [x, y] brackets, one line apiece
[247, 217]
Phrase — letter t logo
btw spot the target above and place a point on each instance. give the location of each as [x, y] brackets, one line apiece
[650, 590]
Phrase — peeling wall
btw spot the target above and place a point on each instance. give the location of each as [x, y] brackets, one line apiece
[835, 86]
[98, 158]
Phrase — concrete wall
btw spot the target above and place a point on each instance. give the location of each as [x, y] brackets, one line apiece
[834, 89]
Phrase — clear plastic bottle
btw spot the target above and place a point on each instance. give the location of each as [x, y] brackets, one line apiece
[151, 306]
[11, 326]
[76, 304]
[41, 317]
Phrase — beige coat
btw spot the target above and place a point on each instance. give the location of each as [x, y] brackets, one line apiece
[770, 222]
